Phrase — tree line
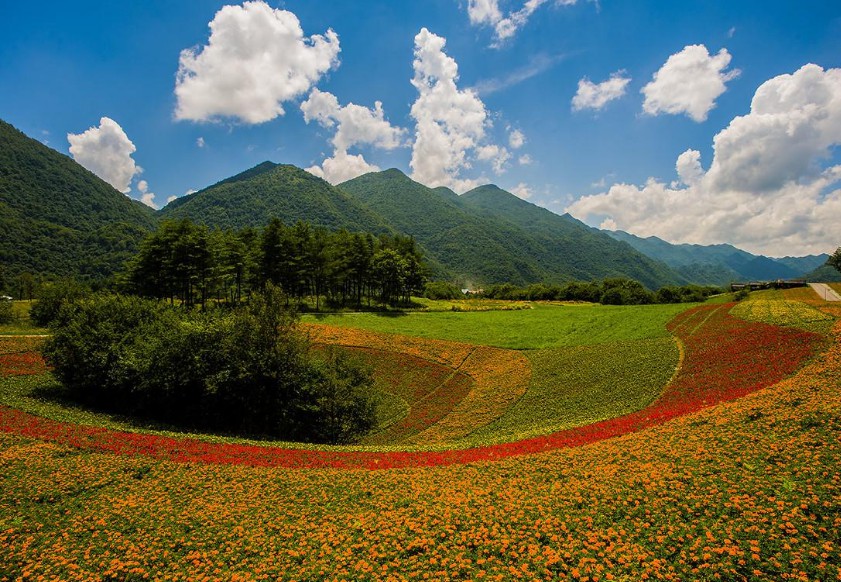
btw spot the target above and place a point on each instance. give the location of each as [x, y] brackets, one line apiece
[190, 263]
[615, 291]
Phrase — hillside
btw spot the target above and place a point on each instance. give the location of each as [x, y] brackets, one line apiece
[266, 191]
[588, 252]
[59, 219]
[722, 263]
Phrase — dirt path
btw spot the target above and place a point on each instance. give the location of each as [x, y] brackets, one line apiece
[825, 291]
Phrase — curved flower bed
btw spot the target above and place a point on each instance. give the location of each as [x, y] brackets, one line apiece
[725, 358]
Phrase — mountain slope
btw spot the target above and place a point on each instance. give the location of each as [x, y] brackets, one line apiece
[588, 252]
[57, 218]
[481, 247]
[722, 263]
[268, 191]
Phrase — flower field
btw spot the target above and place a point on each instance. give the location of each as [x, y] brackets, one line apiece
[730, 473]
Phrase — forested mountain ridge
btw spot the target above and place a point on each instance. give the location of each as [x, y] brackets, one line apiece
[57, 218]
[721, 263]
[268, 190]
[588, 253]
[480, 245]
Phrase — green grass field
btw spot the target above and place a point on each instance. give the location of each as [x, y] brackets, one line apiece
[21, 325]
[543, 326]
[574, 386]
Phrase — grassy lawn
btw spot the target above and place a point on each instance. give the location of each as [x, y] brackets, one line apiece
[543, 326]
[21, 325]
[579, 385]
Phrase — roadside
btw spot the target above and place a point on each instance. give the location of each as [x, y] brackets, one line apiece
[825, 292]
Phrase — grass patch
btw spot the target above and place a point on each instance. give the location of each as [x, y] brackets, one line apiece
[543, 326]
[21, 324]
[579, 385]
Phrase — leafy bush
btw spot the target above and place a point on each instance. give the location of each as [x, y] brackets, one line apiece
[248, 370]
[6, 315]
[442, 290]
[51, 297]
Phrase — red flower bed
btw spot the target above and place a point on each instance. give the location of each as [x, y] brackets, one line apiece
[725, 358]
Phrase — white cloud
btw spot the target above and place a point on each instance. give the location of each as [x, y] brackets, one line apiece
[537, 64]
[200, 142]
[496, 155]
[342, 167]
[771, 187]
[483, 12]
[355, 125]
[148, 198]
[525, 160]
[608, 224]
[106, 151]
[689, 82]
[516, 139]
[688, 167]
[171, 198]
[487, 13]
[595, 96]
[522, 190]
[256, 59]
[450, 122]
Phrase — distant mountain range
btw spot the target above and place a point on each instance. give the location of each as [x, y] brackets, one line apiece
[723, 263]
[59, 219]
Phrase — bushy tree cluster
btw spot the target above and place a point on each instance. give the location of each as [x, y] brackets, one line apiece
[193, 264]
[835, 259]
[247, 370]
[616, 291]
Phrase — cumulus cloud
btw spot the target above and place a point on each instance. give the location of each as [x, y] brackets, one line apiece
[355, 125]
[148, 198]
[689, 82]
[450, 122]
[516, 139]
[106, 151]
[487, 13]
[595, 96]
[522, 190]
[771, 187]
[200, 142]
[256, 59]
[171, 198]
[525, 160]
[342, 167]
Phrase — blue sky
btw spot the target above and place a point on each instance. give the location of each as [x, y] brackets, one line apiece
[507, 118]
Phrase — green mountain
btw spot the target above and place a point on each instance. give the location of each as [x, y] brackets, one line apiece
[720, 264]
[268, 191]
[587, 253]
[480, 245]
[59, 219]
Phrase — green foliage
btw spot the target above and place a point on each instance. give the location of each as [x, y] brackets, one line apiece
[616, 291]
[52, 296]
[440, 290]
[267, 191]
[490, 236]
[57, 218]
[835, 259]
[193, 264]
[248, 371]
[6, 312]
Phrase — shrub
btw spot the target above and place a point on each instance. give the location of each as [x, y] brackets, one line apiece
[51, 297]
[249, 370]
[6, 315]
[442, 290]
